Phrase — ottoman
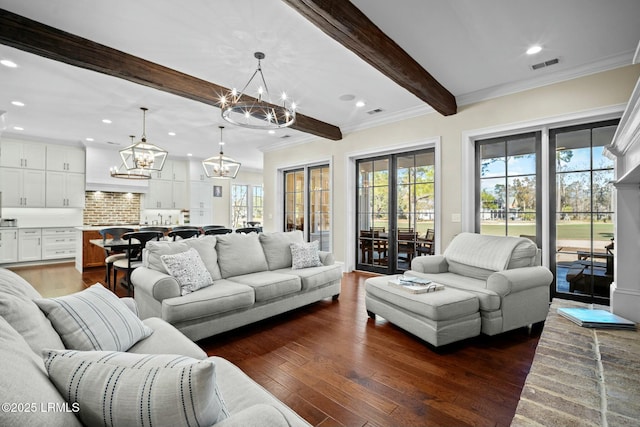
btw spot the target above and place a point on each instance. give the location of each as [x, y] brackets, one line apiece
[440, 317]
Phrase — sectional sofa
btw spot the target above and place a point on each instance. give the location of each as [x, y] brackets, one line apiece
[252, 277]
[49, 376]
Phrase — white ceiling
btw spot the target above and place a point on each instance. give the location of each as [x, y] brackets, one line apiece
[476, 49]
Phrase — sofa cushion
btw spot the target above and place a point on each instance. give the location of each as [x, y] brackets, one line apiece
[240, 254]
[305, 255]
[276, 247]
[206, 247]
[94, 319]
[25, 381]
[18, 308]
[224, 296]
[469, 270]
[315, 277]
[269, 285]
[489, 300]
[483, 251]
[188, 269]
[124, 389]
[166, 339]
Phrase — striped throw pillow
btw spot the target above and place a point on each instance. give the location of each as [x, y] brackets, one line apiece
[94, 319]
[128, 389]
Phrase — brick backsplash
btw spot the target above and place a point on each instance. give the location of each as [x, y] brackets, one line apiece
[104, 208]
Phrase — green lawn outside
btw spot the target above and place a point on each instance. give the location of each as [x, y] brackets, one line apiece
[567, 230]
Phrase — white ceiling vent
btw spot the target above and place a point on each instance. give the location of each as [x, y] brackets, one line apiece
[545, 64]
[375, 111]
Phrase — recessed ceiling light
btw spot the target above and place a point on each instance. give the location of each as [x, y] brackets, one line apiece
[17, 103]
[360, 104]
[107, 121]
[8, 63]
[18, 128]
[189, 154]
[172, 134]
[347, 97]
[89, 139]
[271, 132]
[534, 49]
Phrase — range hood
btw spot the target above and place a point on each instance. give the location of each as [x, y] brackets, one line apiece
[99, 160]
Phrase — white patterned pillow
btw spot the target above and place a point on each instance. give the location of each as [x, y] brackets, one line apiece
[188, 269]
[94, 319]
[128, 389]
[305, 255]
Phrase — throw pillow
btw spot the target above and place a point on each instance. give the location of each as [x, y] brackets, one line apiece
[94, 319]
[305, 255]
[126, 389]
[188, 269]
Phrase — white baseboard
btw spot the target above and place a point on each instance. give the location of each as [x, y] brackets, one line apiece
[625, 302]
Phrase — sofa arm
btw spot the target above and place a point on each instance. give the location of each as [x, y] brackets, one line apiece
[257, 415]
[519, 279]
[430, 264]
[155, 283]
[326, 258]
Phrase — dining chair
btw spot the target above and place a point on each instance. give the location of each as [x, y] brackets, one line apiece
[247, 230]
[211, 227]
[186, 233]
[427, 245]
[111, 256]
[214, 231]
[137, 240]
[164, 230]
[185, 227]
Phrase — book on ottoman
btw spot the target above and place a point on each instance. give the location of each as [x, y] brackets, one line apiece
[415, 285]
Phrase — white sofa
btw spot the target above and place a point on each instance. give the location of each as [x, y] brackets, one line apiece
[252, 277]
[504, 273]
[30, 398]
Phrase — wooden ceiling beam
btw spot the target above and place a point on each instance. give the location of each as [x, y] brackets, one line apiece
[40, 39]
[346, 24]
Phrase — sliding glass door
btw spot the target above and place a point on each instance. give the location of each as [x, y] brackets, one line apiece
[396, 210]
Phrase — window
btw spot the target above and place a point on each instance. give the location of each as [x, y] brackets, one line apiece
[239, 205]
[258, 204]
[245, 209]
[307, 203]
[507, 196]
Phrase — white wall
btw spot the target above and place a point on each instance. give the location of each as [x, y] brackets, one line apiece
[582, 94]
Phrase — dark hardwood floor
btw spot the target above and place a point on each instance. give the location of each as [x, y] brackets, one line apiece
[334, 365]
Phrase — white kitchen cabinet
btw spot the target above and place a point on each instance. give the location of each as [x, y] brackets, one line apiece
[22, 188]
[65, 190]
[19, 154]
[173, 170]
[168, 188]
[30, 244]
[58, 243]
[180, 193]
[160, 195]
[65, 159]
[9, 245]
[201, 195]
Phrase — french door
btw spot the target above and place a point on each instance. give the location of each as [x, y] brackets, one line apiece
[395, 210]
[582, 211]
